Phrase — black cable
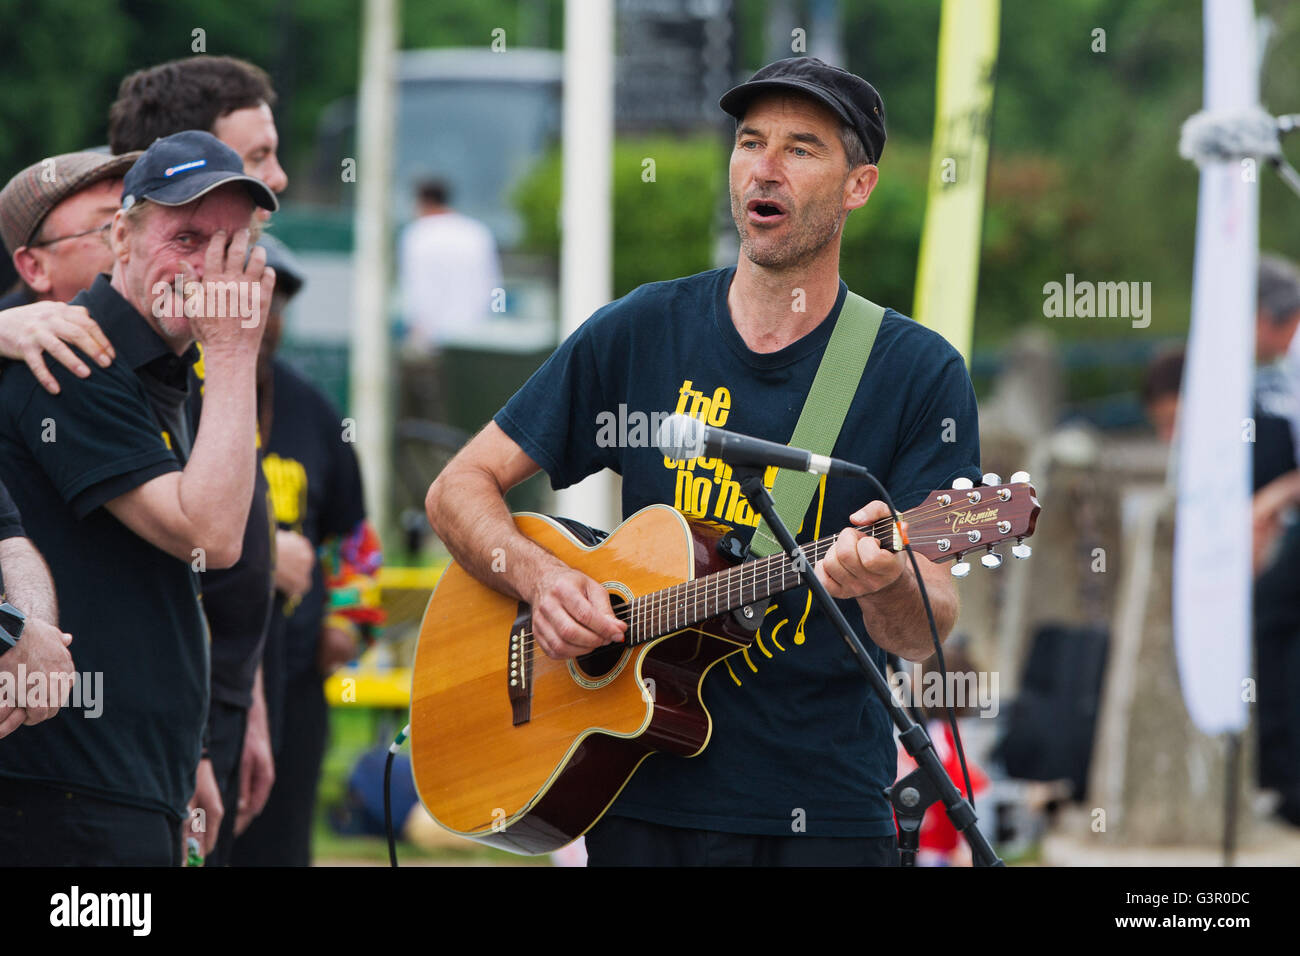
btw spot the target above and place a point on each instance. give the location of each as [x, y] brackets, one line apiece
[393, 748]
[934, 635]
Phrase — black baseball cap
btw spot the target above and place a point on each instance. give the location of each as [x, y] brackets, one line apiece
[289, 275]
[851, 97]
[180, 168]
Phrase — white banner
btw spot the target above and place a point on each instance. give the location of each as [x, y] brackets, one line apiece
[1212, 573]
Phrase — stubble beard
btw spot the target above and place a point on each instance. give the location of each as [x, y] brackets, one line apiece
[808, 232]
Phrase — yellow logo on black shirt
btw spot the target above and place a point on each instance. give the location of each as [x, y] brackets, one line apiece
[706, 489]
[287, 479]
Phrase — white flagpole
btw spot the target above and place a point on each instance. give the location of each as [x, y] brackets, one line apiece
[586, 217]
[1212, 570]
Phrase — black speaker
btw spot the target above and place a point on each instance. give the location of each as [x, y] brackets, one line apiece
[1052, 720]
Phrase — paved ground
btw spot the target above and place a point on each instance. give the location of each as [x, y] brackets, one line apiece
[1271, 844]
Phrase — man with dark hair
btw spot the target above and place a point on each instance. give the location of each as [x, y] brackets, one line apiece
[225, 96]
[796, 734]
[433, 193]
[1162, 382]
[231, 99]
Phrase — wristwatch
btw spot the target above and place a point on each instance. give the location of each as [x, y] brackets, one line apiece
[11, 626]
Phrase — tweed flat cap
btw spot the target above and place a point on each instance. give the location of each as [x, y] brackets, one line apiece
[30, 195]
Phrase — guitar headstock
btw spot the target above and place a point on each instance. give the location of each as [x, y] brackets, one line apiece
[966, 519]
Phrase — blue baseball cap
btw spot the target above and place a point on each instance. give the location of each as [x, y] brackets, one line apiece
[180, 168]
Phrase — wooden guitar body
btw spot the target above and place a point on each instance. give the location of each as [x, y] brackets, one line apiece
[513, 749]
[531, 766]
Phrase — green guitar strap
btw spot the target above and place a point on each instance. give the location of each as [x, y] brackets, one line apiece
[824, 411]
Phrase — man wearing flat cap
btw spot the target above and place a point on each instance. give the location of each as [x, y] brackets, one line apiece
[127, 502]
[54, 220]
[800, 749]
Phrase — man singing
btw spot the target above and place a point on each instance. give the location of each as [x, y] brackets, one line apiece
[800, 748]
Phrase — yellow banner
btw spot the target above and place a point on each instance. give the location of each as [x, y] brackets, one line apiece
[950, 241]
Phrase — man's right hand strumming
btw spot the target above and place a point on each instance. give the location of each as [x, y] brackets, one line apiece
[572, 615]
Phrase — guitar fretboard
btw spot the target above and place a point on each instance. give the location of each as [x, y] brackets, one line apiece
[683, 605]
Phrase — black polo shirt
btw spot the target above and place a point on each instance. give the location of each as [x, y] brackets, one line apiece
[16, 297]
[132, 609]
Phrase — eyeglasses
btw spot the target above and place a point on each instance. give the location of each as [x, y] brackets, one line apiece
[101, 231]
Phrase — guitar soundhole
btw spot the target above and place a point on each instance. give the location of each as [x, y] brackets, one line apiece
[604, 659]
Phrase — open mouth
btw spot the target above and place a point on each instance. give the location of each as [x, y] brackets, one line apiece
[765, 210]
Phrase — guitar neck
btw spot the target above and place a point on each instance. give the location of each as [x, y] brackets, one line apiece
[683, 605]
[947, 525]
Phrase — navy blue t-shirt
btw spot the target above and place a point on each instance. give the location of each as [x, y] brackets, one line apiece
[798, 738]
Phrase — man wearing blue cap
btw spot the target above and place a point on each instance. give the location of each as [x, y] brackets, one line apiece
[231, 99]
[127, 502]
[800, 749]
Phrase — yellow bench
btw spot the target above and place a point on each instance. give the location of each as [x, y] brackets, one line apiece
[368, 682]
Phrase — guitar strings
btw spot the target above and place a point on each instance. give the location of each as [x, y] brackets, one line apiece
[686, 603]
[683, 600]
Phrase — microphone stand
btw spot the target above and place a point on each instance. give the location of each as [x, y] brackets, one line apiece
[928, 783]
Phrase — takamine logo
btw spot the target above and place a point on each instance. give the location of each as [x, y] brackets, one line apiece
[75, 909]
[961, 518]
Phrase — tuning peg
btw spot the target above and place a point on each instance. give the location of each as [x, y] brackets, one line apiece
[992, 560]
[961, 568]
[990, 479]
[1020, 476]
[1021, 550]
[961, 484]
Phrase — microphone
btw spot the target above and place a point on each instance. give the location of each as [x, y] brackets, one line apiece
[683, 438]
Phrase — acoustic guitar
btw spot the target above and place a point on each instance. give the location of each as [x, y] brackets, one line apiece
[522, 752]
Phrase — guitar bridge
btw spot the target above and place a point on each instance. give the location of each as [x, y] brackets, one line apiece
[520, 670]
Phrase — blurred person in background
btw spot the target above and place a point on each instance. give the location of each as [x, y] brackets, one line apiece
[1275, 533]
[1161, 383]
[324, 617]
[1277, 536]
[449, 273]
[232, 100]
